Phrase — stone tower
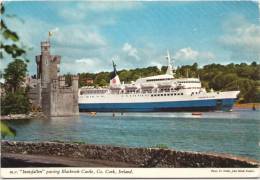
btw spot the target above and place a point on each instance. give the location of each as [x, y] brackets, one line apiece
[51, 93]
[47, 65]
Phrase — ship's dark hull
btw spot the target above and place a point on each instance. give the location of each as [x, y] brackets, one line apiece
[172, 106]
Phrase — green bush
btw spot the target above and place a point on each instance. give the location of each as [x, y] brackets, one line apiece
[15, 103]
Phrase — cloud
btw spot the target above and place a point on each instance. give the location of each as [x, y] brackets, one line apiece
[78, 36]
[108, 6]
[186, 55]
[130, 50]
[241, 38]
[72, 42]
[71, 14]
[85, 11]
[81, 65]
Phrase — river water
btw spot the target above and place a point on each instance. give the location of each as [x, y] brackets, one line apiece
[234, 132]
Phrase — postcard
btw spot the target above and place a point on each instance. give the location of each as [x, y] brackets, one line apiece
[130, 89]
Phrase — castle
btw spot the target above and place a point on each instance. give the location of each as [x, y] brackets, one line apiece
[48, 90]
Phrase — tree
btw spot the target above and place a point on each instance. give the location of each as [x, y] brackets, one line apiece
[15, 103]
[68, 80]
[102, 82]
[15, 74]
[15, 100]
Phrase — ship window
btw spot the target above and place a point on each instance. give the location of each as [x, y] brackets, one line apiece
[164, 94]
[174, 94]
[181, 93]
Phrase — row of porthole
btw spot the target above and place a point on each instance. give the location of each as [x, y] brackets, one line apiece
[148, 80]
[188, 82]
[153, 95]
[172, 94]
[93, 96]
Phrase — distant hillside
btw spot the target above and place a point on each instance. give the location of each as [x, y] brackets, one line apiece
[245, 77]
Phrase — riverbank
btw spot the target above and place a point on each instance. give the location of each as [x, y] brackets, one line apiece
[113, 155]
[247, 106]
[23, 116]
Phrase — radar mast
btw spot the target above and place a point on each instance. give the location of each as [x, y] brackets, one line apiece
[169, 68]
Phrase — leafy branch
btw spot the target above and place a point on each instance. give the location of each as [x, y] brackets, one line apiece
[8, 36]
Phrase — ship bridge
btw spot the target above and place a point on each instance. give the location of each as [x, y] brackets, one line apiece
[191, 84]
[164, 77]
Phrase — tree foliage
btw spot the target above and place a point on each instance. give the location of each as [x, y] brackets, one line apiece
[15, 49]
[15, 103]
[15, 74]
[6, 130]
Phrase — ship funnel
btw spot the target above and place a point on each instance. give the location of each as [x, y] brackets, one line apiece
[114, 81]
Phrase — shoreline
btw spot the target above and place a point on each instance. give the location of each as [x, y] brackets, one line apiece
[31, 115]
[116, 156]
[248, 106]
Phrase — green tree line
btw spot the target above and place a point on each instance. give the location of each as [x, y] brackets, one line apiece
[243, 77]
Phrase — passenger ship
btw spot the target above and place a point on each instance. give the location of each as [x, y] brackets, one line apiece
[161, 93]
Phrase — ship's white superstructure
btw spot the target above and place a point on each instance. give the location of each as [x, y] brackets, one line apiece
[154, 94]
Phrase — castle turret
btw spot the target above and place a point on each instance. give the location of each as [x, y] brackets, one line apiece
[45, 62]
[45, 48]
[75, 83]
[47, 65]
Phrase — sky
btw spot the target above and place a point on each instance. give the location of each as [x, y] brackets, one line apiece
[90, 34]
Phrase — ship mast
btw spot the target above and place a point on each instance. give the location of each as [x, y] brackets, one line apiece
[169, 68]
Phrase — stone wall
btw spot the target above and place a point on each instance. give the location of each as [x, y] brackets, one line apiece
[142, 157]
[64, 103]
[45, 100]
